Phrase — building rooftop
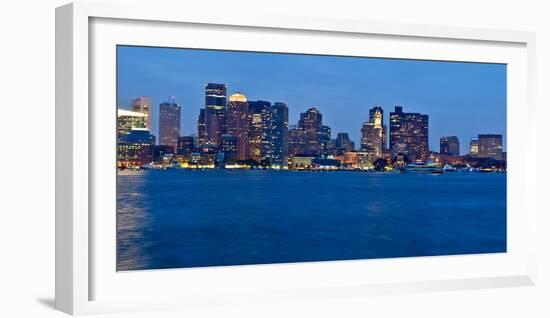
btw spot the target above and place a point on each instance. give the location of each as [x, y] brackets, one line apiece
[237, 97]
[125, 112]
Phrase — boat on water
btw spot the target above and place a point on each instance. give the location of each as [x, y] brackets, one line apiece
[428, 167]
[449, 168]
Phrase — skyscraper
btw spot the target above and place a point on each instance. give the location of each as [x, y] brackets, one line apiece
[296, 141]
[323, 135]
[490, 146]
[169, 124]
[215, 112]
[373, 133]
[371, 139]
[344, 143]
[310, 122]
[259, 131]
[376, 116]
[279, 135]
[201, 129]
[409, 134]
[238, 123]
[449, 145]
[144, 105]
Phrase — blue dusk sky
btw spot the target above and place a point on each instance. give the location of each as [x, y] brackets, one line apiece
[462, 99]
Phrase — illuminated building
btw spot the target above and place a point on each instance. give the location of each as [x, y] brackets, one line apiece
[326, 164]
[279, 135]
[127, 120]
[344, 143]
[169, 124]
[350, 159]
[296, 141]
[144, 105]
[474, 147]
[135, 148]
[138, 135]
[202, 160]
[215, 112]
[201, 129]
[364, 160]
[301, 162]
[259, 134]
[376, 116]
[409, 134]
[310, 122]
[133, 154]
[490, 146]
[449, 145]
[238, 123]
[373, 132]
[229, 148]
[186, 145]
[323, 135]
[371, 138]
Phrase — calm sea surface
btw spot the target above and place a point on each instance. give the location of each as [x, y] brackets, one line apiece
[181, 218]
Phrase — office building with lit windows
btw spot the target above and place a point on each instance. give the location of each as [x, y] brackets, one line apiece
[259, 133]
[128, 120]
[449, 145]
[215, 101]
[490, 146]
[169, 124]
[279, 135]
[409, 135]
[323, 135]
[373, 133]
[310, 122]
[238, 123]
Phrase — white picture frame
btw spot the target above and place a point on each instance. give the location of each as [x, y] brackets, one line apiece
[84, 281]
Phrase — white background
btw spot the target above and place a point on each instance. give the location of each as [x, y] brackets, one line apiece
[27, 180]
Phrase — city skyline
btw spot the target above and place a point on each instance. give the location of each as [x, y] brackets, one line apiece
[149, 63]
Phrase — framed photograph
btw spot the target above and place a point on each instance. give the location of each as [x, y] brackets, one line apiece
[206, 158]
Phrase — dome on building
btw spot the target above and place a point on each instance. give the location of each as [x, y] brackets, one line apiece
[237, 97]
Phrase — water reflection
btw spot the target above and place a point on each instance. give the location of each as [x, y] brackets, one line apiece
[171, 219]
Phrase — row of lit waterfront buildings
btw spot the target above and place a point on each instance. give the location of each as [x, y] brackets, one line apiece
[237, 132]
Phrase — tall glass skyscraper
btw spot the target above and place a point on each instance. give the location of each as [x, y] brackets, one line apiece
[169, 124]
[259, 133]
[323, 135]
[215, 102]
[279, 135]
[409, 134]
[310, 122]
